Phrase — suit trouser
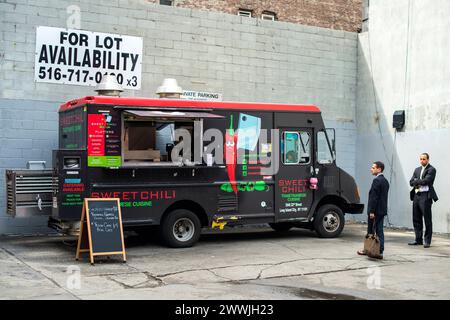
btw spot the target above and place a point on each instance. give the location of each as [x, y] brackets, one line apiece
[378, 230]
[422, 211]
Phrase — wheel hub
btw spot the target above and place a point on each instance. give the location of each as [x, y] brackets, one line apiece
[331, 222]
[183, 229]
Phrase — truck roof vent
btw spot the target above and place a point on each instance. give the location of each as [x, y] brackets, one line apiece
[109, 86]
[169, 89]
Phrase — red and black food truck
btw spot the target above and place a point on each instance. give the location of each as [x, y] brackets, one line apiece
[239, 163]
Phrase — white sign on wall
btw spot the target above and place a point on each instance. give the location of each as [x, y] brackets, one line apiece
[200, 95]
[69, 56]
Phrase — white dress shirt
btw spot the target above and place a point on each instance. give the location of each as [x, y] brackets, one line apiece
[422, 188]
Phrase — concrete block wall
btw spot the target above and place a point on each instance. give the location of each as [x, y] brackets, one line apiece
[345, 144]
[244, 59]
[29, 131]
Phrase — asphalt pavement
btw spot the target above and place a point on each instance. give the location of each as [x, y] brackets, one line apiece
[244, 263]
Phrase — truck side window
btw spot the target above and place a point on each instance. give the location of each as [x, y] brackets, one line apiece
[324, 153]
[296, 148]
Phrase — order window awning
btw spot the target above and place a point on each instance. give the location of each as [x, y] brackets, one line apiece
[173, 114]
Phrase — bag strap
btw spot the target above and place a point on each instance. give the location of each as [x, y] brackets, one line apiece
[373, 226]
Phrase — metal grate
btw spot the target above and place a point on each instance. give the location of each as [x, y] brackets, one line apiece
[29, 192]
[227, 203]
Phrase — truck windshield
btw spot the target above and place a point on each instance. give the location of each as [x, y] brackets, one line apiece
[324, 148]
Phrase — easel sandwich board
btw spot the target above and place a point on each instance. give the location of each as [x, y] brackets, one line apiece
[101, 232]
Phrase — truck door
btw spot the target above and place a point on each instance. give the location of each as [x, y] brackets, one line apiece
[293, 198]
[325, 167]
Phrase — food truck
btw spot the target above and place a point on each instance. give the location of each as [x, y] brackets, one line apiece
[238, 163]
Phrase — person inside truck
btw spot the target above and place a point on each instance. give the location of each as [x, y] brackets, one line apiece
[291, 157]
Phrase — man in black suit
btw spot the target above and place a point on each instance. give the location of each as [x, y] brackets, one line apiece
[377, 205]
[422, 196]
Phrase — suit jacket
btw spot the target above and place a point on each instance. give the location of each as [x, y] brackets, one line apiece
[378, 196]
[427, 180]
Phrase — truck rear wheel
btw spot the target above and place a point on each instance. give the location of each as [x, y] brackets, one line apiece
[281, 226]
[329, 221]
[180, 229]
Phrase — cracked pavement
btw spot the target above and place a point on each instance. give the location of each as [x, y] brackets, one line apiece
[244, 263]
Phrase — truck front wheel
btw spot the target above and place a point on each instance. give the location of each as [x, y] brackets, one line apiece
[180, 229]
[329, 221]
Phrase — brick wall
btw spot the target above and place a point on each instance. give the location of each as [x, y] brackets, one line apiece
[334, 14]
[244, 59]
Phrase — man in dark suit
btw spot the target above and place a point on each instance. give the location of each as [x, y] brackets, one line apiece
[377, 204]
[422, 195]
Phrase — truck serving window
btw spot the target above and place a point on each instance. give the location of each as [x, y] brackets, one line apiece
[149, 136]
[296, 148]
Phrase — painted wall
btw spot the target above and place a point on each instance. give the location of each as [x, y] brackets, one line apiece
[403, 63]
[244, 59]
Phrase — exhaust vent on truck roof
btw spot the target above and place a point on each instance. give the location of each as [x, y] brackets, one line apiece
[169, 89]
[109, 86]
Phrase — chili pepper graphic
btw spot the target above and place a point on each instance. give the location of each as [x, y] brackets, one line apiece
[230, 154]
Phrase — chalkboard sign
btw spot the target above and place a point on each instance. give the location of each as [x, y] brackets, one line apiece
[101, 228]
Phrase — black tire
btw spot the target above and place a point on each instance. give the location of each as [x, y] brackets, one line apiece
[281, 226]
[329, 221]
[186, 234]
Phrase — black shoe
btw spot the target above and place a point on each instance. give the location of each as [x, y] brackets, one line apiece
[426, 245]
[415, 243]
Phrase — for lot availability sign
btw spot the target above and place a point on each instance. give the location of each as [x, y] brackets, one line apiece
[78, 57]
